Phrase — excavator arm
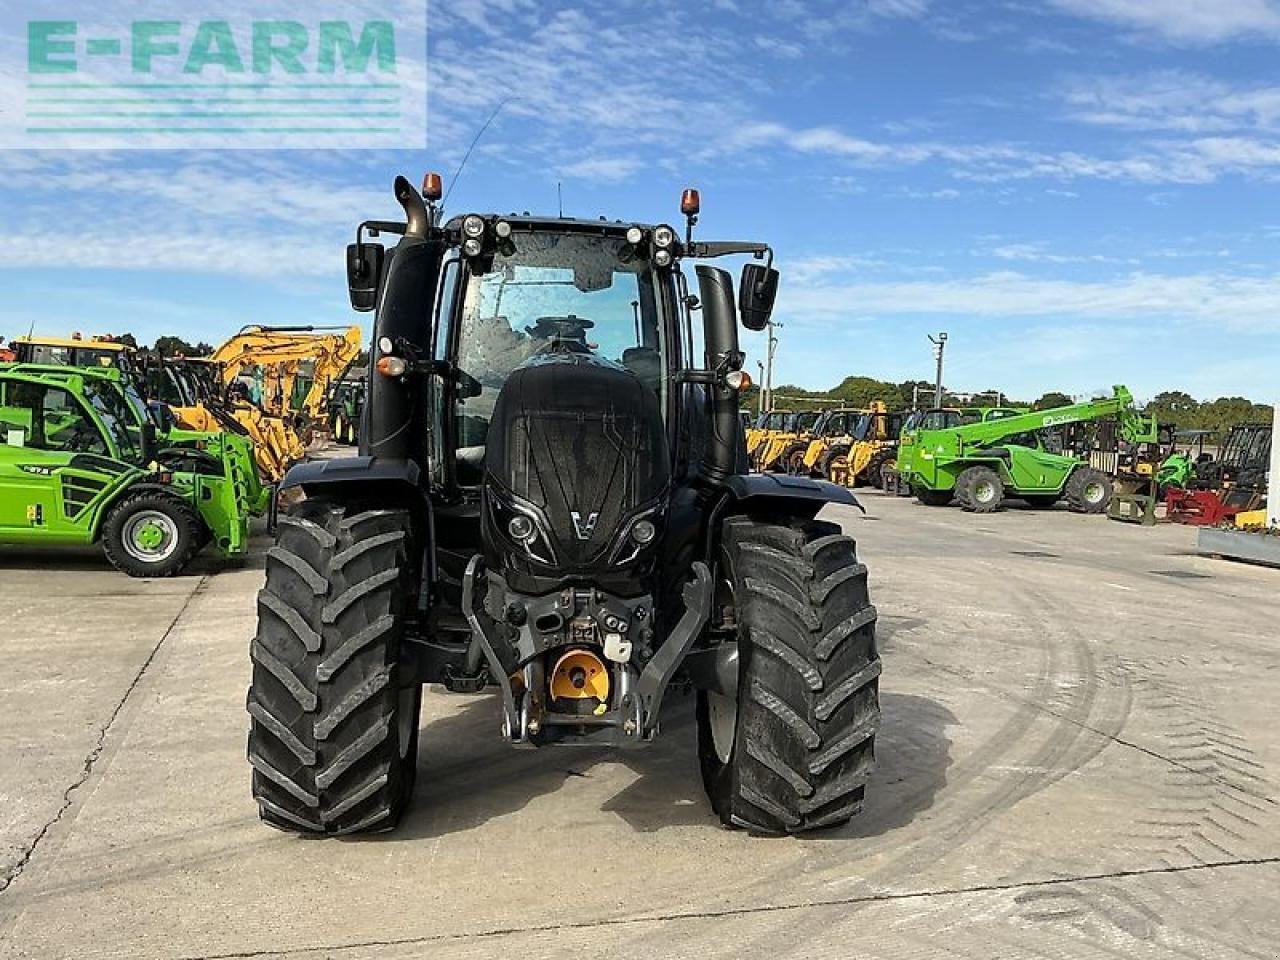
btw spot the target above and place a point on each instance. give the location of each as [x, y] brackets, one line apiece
[280, 353]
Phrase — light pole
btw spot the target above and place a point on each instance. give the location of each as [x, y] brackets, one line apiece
[760, 395]
[1273, 498]
[769, 355]
[939, 348]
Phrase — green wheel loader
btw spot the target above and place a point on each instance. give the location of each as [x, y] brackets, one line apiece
[980, 464]
[77, 467]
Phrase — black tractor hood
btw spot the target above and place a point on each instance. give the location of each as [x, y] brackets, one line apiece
[579, 441]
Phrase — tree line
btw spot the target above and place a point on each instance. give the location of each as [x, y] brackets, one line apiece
[168, 346]
[1171, 406]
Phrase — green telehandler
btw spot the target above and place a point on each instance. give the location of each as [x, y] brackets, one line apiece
[979, 464]
[80, 464]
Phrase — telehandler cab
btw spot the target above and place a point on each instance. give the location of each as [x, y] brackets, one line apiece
[871, 450]
[767, 426]
[79, 464]
[797, 430]
[552, 499]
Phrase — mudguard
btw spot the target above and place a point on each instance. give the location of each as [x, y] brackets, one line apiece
[799, 496]
[316, 474]
[353, 479]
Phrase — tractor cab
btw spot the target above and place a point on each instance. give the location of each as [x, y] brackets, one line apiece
[552, 499]
[74, 351]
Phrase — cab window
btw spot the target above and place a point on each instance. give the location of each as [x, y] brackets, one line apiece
[43, 417]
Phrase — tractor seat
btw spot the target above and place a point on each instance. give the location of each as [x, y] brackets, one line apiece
[645, 363]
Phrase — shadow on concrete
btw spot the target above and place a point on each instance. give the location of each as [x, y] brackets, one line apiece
[467, 776]
[54, 559]
[913, 753]
[92, 560]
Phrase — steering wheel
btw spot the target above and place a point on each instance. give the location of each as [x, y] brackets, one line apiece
[82, 439]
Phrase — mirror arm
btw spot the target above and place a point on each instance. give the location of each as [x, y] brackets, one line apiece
[728, 248]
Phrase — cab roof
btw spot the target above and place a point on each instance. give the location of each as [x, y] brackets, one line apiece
[529, 222]
[61, 372]
[108, 345]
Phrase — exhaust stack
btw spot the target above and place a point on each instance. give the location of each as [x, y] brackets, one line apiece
[419, 221]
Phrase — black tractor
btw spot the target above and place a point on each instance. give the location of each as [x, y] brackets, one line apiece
[552, 499]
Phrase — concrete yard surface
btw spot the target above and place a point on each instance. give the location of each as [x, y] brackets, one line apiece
[1077, 759]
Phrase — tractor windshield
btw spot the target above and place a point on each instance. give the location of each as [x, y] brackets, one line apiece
[551, 289]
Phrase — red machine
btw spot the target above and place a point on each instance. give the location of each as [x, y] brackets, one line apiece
[1197, 508]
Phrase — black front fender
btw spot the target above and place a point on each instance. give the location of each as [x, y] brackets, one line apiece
[356, 480]
[796, 496]
[354, 477]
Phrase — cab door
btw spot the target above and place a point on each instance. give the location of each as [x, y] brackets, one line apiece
[28, 488]
[56, 467]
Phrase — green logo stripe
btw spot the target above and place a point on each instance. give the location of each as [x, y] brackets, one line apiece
[78, 130]
[207, 86]
[147, 101]
[179, 114]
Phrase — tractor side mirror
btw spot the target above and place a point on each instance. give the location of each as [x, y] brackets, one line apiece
[364, 274]
[148, 442]
[163, 416]
[468, 386]
[756, 293]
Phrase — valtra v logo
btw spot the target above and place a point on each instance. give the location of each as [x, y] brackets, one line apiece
[584, 528]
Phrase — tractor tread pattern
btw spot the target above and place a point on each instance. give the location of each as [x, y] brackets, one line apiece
[810, 701]
[325, 701]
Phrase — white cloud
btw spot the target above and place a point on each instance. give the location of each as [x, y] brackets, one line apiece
[1221, 299]
[604, 169]
[1040, 253]
[1172, 100]
[1189, 22]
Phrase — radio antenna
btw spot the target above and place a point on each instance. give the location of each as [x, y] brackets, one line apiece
[560, 198]
[453, 181]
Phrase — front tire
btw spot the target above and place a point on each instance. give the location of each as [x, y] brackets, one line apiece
[1089, 491]
[333, 740]
[980, 490]
[793, 751]
[152, 534]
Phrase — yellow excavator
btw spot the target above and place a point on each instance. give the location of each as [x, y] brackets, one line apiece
[288, 371]
[204, 403]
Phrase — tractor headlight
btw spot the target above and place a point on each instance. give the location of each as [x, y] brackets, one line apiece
[473, 226]
[664, 238]
[521, 524]
[634, 236]
[472, 247]
[502, 229]
[662, 258]
[636, 537]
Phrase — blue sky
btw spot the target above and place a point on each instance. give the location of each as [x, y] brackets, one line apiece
[1081, 192]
